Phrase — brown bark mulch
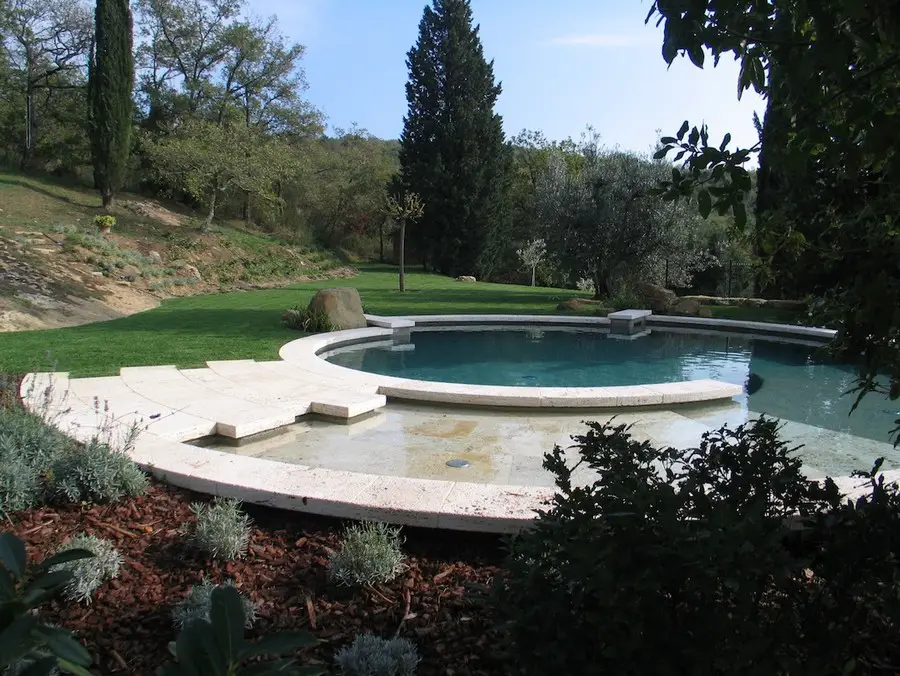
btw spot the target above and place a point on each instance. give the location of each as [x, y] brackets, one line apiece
[128, 624]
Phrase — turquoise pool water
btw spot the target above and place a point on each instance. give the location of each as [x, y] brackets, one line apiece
[788, 381]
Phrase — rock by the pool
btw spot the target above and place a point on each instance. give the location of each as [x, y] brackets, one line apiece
[686, 306]
[343, 307]
[466, 278]
[658, 298]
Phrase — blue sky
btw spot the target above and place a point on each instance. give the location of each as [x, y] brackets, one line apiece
[563, 64]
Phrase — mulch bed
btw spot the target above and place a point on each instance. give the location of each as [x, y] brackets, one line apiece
[128, 624]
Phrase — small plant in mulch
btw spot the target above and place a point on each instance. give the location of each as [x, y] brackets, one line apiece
[370, 655]
[198, 602]
[28, 645]
[88, 574]
[370, 553]
[221, 530]
[218, 646]
[95, 472]
[309, 321]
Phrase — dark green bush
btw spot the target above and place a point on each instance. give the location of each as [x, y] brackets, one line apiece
[308, 321]
[723, 559]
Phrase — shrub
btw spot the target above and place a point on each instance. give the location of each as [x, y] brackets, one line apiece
[28, 436]
[724, 558]
[308, 321]
[95, 472]
[627, 299]
[222, 530]
[104, 222]
[370, 655]
[26, 642]
[28, 447]
[369, 553]
[20, 482]
[217, 646]
[89, 574]
[196, 605]
[585, 284]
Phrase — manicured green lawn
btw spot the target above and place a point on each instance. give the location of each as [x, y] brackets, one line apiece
[247, 324]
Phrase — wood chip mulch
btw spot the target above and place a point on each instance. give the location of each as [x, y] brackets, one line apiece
[128, 624]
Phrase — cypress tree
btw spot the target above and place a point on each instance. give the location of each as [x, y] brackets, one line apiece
[452, 149]
[109, 89]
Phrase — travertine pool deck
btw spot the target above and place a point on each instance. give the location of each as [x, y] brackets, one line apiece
[241, 398]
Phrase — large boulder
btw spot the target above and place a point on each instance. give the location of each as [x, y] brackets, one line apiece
[657, 297]
[466, 278]
[343, 307]
[685, 306]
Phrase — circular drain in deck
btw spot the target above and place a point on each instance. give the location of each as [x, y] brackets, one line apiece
[458, 462]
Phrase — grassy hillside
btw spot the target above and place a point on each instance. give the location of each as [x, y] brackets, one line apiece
[247, 324]
[156, 246]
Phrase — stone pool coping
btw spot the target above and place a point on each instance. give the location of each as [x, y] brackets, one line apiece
[306, 353]
[160, 448]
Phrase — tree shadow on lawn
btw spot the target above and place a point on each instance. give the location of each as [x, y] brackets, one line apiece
[23, 183]
[212, 322]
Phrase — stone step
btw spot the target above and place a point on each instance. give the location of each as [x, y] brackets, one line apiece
[234, 417]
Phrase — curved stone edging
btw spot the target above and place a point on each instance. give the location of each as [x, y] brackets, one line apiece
[304, 353]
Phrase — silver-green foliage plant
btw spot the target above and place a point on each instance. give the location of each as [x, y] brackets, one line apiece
[28, 446]
[198, 602]
[370, 553]
[370, 655]
[89, 574]
[38, 462]
[95, 472]
[222, 530]
[27, 645]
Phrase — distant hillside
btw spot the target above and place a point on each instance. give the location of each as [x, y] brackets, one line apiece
[57, 269]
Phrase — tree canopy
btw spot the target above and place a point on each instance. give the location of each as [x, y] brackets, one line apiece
[110, 88]
[831, 72]
[452, 148]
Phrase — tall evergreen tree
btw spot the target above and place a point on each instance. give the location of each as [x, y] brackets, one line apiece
[109, 88]
[453, 152]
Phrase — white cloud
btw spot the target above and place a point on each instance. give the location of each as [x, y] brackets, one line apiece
[598, 40]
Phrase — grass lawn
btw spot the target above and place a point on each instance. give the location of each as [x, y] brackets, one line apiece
[247, 324]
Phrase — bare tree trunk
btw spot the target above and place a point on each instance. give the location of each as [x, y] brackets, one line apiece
[381, 241]
[402, 254]
[29, 127]
[211, 214]
[245, 208]
[601, 284]
[108, 198]
[533, 270]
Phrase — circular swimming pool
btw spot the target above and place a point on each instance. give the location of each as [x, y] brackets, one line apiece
[790, 381]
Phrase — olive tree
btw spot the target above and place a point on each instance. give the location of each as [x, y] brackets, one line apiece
[208, 160]
[532, 255]
[603, 216]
